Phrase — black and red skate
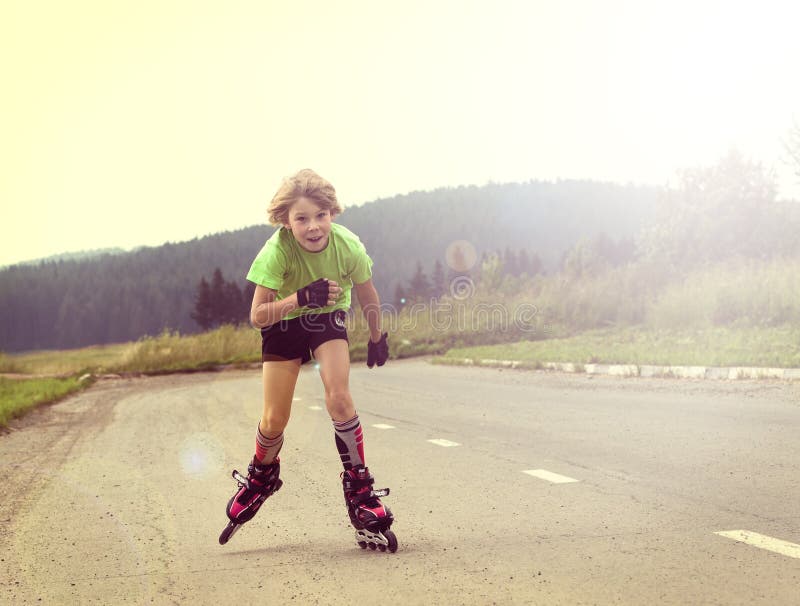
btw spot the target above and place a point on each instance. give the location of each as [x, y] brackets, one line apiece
[371, 518]
[262, 481]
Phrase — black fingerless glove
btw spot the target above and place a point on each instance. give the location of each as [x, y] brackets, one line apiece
[378, 353]
[314, 294]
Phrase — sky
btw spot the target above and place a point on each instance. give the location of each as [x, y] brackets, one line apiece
[136, 123]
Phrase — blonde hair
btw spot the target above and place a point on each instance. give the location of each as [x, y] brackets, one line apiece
[304, 184]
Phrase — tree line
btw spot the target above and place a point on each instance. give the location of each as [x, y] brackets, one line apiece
[221, 302]
[569, 230]
[115, 297]
[492, 266]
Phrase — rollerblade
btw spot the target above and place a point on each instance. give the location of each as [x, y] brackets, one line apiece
[261, 482]
[369, 516]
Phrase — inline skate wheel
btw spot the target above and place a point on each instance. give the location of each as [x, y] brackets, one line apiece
[230, 529]
[362, 544]
[391, 539]
[373, 546]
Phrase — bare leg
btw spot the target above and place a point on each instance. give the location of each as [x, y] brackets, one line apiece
[262, 479]
[279, 380]
[369, 516]
[334, 368]
[334, 361]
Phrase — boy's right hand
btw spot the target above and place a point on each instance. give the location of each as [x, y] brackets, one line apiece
[320, 293]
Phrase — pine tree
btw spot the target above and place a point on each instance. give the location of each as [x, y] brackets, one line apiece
[536, 265]
[218, 298]
[233, 305]
[492, 272]
[420, 286]
[202, 305]
[438, 284]
[399, 296]
[247, 299]
[530, 265]
[510, 263]
[524, 263]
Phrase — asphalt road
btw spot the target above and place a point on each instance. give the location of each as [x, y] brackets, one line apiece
[117, 495]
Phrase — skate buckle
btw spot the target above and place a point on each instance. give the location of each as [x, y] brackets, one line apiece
[383, 492]
[240, 478]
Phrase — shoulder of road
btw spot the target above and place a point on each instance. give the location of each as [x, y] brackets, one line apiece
[636, 370]
[729, 373]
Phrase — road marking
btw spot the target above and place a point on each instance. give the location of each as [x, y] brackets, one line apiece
[296, 399]
[763, 541]
[383, 426]
[543, 474]
[443, 442]
[315, 407]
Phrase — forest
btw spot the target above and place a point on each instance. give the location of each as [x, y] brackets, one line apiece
[566, 232]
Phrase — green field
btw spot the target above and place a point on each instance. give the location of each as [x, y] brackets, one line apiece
[759, 347]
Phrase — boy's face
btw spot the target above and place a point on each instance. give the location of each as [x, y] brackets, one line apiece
[310, 225]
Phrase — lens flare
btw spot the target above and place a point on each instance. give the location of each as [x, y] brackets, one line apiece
[200, 454]
[461, 256]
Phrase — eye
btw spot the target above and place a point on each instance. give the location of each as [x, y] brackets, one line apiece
[299, 219]
[322, 214]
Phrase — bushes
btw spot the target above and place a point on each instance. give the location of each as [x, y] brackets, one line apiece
[740, 294]
[171, 351]
[618, 296]
[748, 294]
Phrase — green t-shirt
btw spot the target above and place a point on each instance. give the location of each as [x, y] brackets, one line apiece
[283, 265]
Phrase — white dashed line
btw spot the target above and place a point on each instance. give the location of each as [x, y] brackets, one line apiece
[383, 426]
[442, 442]
[543, 474]
[763, 541]
[296, 399]
[315, 407]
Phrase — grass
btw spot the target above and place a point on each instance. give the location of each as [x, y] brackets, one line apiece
[170, 352]
[736, 294]
[97, 358]
[18, 396]
[721, 346]
[167, 352]
[483, 319]
[730, 315]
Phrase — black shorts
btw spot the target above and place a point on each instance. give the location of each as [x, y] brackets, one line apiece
[299, 337]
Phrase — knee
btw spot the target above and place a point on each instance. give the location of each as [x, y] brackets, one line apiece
[338, 401]
[273, 423]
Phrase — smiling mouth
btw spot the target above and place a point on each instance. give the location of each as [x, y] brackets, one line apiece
[315, 239]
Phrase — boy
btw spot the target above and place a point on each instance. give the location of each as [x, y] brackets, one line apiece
[304, 275]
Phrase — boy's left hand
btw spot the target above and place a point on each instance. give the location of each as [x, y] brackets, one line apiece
[378, 353]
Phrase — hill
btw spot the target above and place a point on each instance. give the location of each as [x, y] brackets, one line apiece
[72, 256]
[115, 297]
